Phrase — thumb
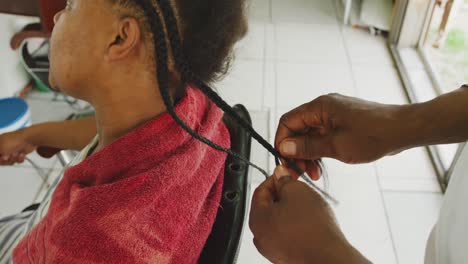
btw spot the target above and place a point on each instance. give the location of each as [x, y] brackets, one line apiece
[306, 147]
[282, 178]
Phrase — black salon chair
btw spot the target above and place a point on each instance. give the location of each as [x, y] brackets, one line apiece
[224, 241]
[223, 244]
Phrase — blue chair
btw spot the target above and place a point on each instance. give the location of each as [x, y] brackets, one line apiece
[14, 115]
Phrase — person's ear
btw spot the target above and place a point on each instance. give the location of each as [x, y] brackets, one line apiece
[126, 39]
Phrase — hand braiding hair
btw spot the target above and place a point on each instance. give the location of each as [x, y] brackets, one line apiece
[161, 53]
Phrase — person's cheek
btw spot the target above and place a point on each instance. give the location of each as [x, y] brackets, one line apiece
[58, 56]
[52, 57]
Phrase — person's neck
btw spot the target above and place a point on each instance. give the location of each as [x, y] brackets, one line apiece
[125, 109]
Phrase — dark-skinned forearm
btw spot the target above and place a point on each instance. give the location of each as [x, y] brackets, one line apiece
[72, 135]
[341, 253]
[443, 120]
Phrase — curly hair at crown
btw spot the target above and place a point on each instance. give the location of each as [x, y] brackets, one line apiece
[209, 30]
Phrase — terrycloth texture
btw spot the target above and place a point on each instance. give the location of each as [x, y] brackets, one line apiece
[150, 197]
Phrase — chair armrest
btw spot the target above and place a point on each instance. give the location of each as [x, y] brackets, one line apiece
[64, 156]
[19, 37]
[47, 152]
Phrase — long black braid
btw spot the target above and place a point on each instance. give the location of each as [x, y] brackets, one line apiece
[161, 48]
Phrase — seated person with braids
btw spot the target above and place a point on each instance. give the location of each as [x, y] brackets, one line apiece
[144, 190]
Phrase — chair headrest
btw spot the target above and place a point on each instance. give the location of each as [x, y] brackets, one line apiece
[23, 7]
[48, 9]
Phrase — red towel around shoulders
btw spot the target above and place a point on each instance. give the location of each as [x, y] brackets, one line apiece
[150, 197]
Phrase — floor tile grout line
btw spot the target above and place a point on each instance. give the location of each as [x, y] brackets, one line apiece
[264, 67]
[248, 59]
[345, 46]
[292, 23]
[387, 217]
[270, 9]
[410, 192]
[275, 68]
[265, 106]
[306, 62]
[274, 112]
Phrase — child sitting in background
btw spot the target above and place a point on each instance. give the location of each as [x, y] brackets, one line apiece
[144, 190]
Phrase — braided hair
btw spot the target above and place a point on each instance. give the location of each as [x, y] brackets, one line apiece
[161, 19]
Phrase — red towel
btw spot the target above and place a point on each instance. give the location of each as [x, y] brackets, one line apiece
[150, 197]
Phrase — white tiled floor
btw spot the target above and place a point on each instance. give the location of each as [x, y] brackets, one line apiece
[362, 48]
[309, 43]
[306, 53]
[297, 50]
[408, 171]
[303, 11]
[298, 83]
[248, 73]
[411, 216]
[19, 187]
[361, 212]
[380, 84]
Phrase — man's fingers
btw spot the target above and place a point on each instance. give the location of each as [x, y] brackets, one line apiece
[7, 163]
[299, 120]
[282, 178]
[21, 158]
[301, 164]
[265, 194]
[307, 147]
[261, 208]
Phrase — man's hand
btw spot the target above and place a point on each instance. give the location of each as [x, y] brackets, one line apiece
[339, 127]
[292, 224]
[14, 147]
[357, 131]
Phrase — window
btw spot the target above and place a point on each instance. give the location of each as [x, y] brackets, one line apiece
[429, 41]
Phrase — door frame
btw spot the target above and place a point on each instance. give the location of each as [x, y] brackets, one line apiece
[410, 26]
